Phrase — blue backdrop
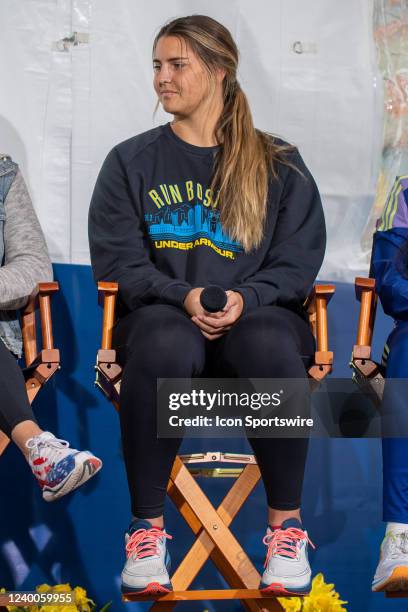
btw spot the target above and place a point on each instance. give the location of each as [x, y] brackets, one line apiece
[80, 538]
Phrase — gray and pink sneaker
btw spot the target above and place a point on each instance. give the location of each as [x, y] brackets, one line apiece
[147, 564]
[287, 569]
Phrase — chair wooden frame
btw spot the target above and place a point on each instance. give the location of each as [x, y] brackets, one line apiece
[40, 365]
[209, 524]
[366, 372]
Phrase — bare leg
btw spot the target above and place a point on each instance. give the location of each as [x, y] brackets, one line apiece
[276, 517]
[23, 432]
[157, 521]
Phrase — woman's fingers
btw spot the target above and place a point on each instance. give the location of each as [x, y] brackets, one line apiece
[209, 327]
[213, 325]
[211, 336]
[216, 315]
[227, 319]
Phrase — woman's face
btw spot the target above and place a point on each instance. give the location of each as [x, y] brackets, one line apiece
[180, 80]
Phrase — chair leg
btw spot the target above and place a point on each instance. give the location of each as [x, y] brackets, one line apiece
[204, 547]
[214, 538]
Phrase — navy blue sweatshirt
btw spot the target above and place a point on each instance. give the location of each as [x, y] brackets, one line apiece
[154, 228]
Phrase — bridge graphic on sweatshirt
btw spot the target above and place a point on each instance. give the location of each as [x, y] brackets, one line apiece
[186, 223]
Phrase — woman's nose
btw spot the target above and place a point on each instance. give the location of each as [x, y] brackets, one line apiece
[164, 75]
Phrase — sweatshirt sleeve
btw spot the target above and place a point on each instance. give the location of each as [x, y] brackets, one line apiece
[26, 259]
[388, 267]
[297, 246]
[118, 244]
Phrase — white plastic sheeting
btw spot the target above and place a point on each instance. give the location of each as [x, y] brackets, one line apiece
[308, 68]
[391, 36]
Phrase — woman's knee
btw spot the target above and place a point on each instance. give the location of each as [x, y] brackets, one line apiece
[261, 333]
[266, 343]
[161, 338]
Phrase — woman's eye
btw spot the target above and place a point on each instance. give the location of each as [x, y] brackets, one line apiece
[177, 65]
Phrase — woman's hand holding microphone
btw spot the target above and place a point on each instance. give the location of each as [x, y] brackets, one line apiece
[213, 310]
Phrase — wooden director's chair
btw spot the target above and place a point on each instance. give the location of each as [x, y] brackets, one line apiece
[211, 525]
[40, 366]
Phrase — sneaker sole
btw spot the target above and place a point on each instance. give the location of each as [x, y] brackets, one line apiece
[81, 474]
[397, 581]
[151, 589]
[279, 589]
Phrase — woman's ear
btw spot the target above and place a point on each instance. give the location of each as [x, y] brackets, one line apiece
[220, 74]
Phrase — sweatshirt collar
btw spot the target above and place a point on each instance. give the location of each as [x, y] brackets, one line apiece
[189, 148]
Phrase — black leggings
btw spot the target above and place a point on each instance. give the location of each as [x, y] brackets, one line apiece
[14, 405]
[160, 341]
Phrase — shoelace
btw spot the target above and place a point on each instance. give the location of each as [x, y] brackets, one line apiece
[285, 542]
[143, 542]
[47, 448]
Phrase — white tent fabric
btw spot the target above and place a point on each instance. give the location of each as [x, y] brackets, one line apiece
[309, 70]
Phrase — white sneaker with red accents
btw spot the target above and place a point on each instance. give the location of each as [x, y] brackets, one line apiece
[58, 468]
[287, 569]
[148, 561]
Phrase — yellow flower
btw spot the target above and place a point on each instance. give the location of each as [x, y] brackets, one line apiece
[290, 604]
[69, 608]
[323, 597]
[58, 588]
[82, 603]
[82, 600]
[62, 588]
[43, 588]
[80, 595]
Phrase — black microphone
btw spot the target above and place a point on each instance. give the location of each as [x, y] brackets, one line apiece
[213, 298]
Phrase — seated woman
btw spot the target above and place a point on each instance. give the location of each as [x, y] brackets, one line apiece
[24, 262]
[207, 199]
[390, 268]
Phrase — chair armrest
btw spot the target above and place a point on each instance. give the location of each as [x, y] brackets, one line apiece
[317, 309]
[107, 293]
[41, 299]
[366, 295]
[108, 371]
[44, 297]
[41, 366]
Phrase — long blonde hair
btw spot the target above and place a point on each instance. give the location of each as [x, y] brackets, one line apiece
[247, 156]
